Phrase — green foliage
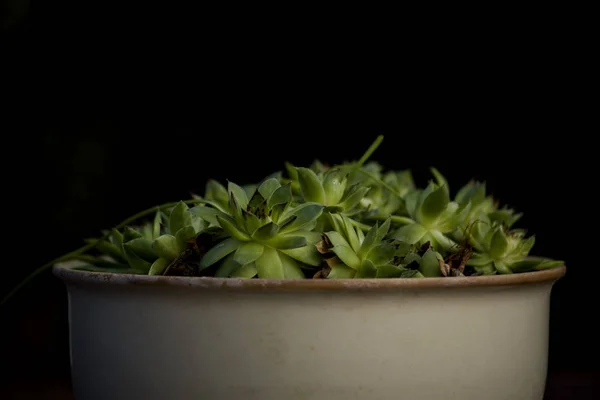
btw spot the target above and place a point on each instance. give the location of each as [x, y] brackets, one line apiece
[355, 220]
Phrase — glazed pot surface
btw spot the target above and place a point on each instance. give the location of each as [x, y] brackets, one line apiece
[205, 338]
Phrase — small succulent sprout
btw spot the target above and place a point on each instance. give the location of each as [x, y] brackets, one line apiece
[360, 256]
[432, 217]
[381, 202]
[181, 227]
[499, 250]
[481, 206]
[267, 237]
[330, 189]
[129, 251]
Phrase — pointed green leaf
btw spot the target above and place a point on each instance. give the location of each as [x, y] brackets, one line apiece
[412, 201]
[219, 251]
[268, 187]
[208, 214]
[283, 224]
[310, 186]
[159, 266]
[307, 255]
[430, 264]
[369, 241]
[351, 201]
[142, 248]
[312, 237]
[499, 244]
[381, 254]
[305, 214]
[247, 271]
[440, 179]
[350, 233]
[526, 245]
[180, 217]
[347, 255]
[239, 194]
[291, 269]
[291, 170]
[334, 185]
[229, 226]
[146, 231]
[336, 239]
[269, 265]
[156, 226]
[266, 232]
[341, 271]
[361, 236]
[134, 261]
[216, 192]
[111, 250]
[257, 200]
[384, 229]
[366, 270]
[167, 246]
[250, 189]
[548, 264]
[185, 234]
[410, 234]
[534, 264]
[287, 242]
[236, 211]
[433, 205]
[248, 253]
[227, 267]
[465, 193]
[281, 195]
[336, 222]
[502, 267]
[116, 238]
[334, 209]
[251, 221]
[198, 224]
[130, 234]
[439, 241]
[479, 260]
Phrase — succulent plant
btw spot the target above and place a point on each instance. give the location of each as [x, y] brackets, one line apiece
[267, 237]
[498, 248]
[351, 254]
[353, 220]
[147, 249]
[432, 217]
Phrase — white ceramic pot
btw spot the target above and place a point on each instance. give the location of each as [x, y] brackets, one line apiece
[155, 337]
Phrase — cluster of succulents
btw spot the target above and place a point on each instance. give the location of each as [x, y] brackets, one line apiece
[349, 221]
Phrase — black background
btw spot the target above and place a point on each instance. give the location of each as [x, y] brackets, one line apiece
[112, 114]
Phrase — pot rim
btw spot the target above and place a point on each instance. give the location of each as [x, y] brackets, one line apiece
[65, 272]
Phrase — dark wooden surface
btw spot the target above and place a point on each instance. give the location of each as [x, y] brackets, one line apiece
[560, 386]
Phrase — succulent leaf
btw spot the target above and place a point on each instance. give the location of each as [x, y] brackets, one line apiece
[310, 186]
[248, 253]
[219, 251]
[269, 265]
[158, 266]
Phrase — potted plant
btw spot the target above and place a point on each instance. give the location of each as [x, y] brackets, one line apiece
[326, 282]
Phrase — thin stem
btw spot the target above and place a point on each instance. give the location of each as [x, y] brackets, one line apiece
[382, 183]
[394, 218]
[369, 152]
[360, 225]
[91, 245]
